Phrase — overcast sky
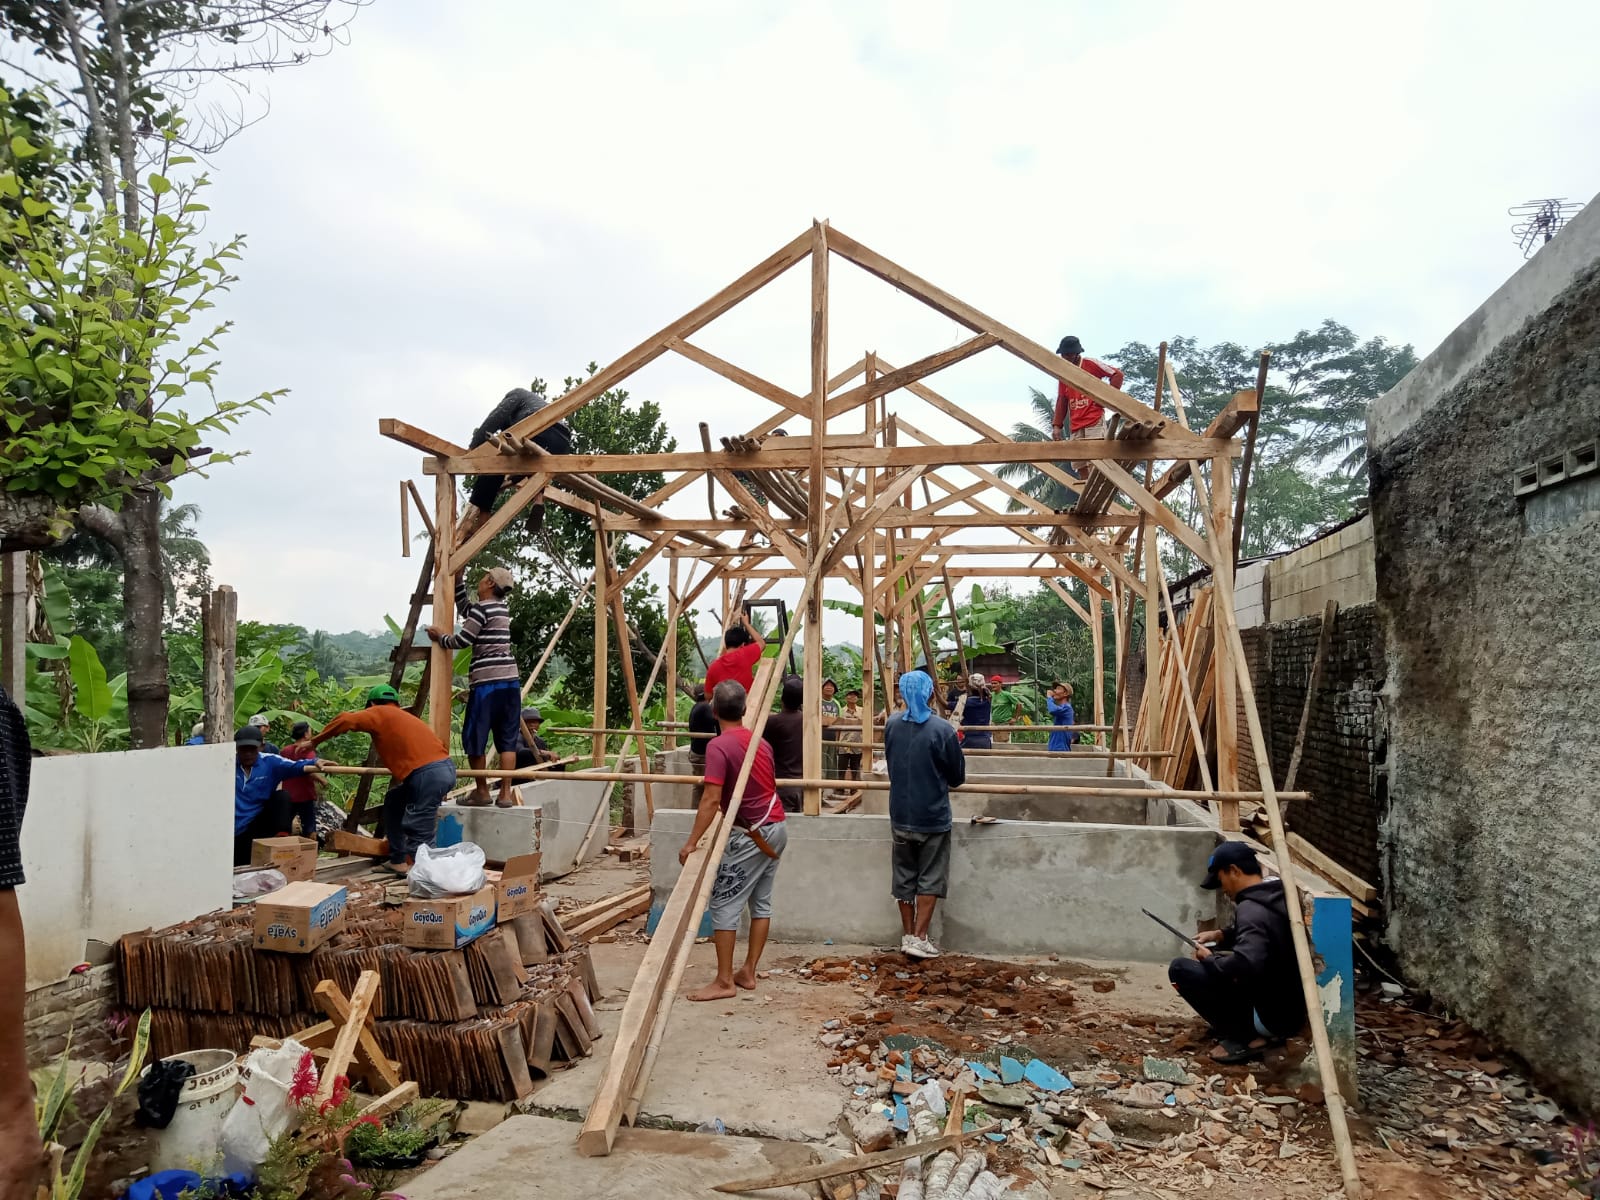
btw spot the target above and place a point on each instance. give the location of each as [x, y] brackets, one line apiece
[471, 195]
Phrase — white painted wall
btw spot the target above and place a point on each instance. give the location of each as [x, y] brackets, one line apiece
[113, 843]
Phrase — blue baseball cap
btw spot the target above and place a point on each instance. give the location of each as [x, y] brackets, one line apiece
[1230, 854]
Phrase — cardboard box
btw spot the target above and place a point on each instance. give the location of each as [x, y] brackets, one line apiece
[299, 918]
[517, 889]
[448, 922]
[296, 857]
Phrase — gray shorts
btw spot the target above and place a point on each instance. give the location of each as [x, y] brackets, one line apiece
[921, 864]
[746, 876]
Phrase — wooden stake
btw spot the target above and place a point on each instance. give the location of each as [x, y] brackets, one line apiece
[1330, 614]
[405, 521]
[219, 621]
[670, 648]
[441, 676]
[597, 750]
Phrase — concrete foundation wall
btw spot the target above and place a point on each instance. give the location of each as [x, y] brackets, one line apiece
[112, 843]
[553, 820]
[1018, 888]
[1486, 592]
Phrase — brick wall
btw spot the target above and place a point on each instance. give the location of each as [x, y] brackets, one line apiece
[79, 1004]
[1342, 765]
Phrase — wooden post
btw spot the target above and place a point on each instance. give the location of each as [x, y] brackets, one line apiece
[1153, 731]
[869, 610]
[1097, 636]
[670, 649]
[219, 627]
[602, 581]
[14, 624]
[405, 521]
[1220, 519]
[441, 674]
[1231, 646]
[816, 514]
[1184, 667]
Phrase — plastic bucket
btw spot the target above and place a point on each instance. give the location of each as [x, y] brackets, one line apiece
[193, 1139]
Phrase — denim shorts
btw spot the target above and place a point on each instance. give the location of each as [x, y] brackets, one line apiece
[492, 708]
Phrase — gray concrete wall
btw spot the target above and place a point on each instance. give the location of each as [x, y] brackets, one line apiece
[553, 820]
[1492, 630]
[1015, 888]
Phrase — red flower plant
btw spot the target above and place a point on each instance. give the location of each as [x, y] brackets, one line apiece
[304, 1083]
[341, 1093]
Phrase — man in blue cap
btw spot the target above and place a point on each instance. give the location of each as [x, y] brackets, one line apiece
[925, 761]
[1243, 979]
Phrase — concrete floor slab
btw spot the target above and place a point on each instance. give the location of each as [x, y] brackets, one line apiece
[753, 1062]
[538, 1156]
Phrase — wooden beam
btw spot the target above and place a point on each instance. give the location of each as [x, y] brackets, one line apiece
[869, 518]
[419, 439]
[981, 519]
[441, 670]
[745, 379]
[1190, 708]
[602, 578]
[644, 559]
[654, 346]
[785, 542]
[816, 512]
[1340, 876]
[851, 1166]
[1024, 348]
[1153, 731]
[775, 456]
[521, 496]
[905, 376]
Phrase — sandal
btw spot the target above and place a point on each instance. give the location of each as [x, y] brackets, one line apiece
[1237, 1052]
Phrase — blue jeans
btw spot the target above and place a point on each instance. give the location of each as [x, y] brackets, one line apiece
[411, 808]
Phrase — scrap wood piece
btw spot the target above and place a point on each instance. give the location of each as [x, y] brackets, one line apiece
[634, 906]
[355, 1039]
[578, 916]
[849, 1166]
[554, 931]
[1343, 878]
[346, 842]
[391, 1101]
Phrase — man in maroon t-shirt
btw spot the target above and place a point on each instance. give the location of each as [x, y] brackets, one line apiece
[750, 862]
[742, 650]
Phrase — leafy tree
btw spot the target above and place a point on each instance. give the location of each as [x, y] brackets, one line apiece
[95, 358]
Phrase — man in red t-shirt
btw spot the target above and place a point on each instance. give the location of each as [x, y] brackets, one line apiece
[742, 649]
[302, 790]
[1083, 416]
[750, 861]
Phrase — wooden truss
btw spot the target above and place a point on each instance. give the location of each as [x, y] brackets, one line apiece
[859, 499]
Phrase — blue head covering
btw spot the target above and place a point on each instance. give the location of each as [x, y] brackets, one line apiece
[917, 689]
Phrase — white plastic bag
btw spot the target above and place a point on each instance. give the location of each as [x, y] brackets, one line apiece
[263, 1109]
[249, 884]
[447, 871]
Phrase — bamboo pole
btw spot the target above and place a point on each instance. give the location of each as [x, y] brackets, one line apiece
[1184, 665]
[441, 661]
[670, 647]
[1097, 636]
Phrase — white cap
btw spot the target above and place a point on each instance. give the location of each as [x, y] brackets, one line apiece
[199, 728]
[260, 720]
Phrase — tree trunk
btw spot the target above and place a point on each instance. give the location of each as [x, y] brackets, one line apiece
[142, 619]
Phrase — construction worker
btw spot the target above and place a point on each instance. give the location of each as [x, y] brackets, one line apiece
[1243, 979]
[1059, 704]
[302, 791]
[925, 762]
[742, 647]
[1004, 707]
[22, 1155]
[517, 405]
[494, 701]
[257, 810]
[749, 866]
[418, 761]
[1080, 415]
[533, 750]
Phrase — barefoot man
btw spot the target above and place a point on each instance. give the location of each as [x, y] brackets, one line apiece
[750, 864]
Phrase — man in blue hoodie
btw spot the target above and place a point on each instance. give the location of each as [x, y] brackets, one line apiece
[256, 776]
[925, 761]
[1243, 979]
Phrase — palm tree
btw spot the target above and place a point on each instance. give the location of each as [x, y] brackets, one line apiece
[1027, 476]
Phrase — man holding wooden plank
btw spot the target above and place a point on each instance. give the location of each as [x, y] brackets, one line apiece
[750, 863]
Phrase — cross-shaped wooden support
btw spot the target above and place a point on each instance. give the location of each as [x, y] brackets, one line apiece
[345, 1044]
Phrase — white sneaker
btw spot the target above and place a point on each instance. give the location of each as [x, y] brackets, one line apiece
[922, 948]
[906, 942]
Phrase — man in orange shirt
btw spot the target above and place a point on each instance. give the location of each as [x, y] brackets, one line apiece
[1080, 414]
[419, 762]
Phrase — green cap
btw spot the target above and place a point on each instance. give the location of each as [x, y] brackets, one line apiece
[383, 694]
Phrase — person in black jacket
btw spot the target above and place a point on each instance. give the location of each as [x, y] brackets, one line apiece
[1243, 980]
[517, 405]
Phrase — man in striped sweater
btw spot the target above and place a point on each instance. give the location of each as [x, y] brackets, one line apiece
[494, 701]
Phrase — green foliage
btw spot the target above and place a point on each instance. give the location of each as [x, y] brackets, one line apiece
[71, 1187]
[97, 357]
